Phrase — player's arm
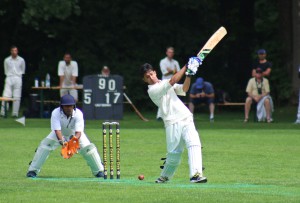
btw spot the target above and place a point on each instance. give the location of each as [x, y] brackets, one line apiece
[61, 139]
[177, 77]
[60, 73]
[74, 80]
[74, 73]
[193, 96]
[61, 80]
[267, 72]
[77, 135]
[211, 95]
[164, 69]
[5, 67]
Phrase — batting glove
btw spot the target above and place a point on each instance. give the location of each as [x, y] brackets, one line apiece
[192, 66]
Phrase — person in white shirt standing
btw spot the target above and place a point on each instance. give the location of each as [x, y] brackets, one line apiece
[168, 67]
[14, 68]
[66, 122]
[68, 73]
[178, 120]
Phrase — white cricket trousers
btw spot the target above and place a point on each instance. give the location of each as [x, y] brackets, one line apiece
[180, 135]
[12, 89]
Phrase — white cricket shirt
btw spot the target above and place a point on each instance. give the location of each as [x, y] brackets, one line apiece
[68, 126]
[14, 66]
[166, 63]
[68, 71]
[165, 97]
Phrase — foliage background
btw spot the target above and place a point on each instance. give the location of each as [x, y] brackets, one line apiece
[124, 34]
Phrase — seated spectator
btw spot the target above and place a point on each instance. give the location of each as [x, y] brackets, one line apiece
[105, 71]
[258, 90]
[202, 92]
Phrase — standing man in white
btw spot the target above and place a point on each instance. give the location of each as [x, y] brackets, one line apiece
[14, 68]
[178, 120]
[168, 67]
[68, 73]
[66, 121]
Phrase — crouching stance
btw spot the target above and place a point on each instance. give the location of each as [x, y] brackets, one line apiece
[178, 120]
[67, 127]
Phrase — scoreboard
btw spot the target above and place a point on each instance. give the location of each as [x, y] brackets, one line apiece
[103, 97]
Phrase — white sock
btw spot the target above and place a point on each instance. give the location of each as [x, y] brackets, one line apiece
[211, 116]
[195, 160]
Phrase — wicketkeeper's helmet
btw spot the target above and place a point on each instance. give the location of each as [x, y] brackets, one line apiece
[67, 100]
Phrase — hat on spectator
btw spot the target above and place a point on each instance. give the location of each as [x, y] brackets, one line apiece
[199, 83]
[259, 70]
[261, 51]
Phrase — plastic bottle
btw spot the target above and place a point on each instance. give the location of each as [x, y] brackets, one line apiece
[47, 80]
[36, 82]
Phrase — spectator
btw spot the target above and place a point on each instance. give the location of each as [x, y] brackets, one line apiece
[262, 63]
[298, 115]
[68, 73]
[14, 68]
[105, 71]
[168, 66]
[202, 91]
[258, 90]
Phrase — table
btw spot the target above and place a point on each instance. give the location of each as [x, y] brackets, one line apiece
[41, 91]
[5, 100]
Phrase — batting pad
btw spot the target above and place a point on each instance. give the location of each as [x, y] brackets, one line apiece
[93, 160]
[41, 155]
[195, 160]
[172, 162]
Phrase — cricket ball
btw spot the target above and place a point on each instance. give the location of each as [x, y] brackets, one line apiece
[141, 177]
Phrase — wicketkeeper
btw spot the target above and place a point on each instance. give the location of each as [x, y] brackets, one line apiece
[178, 120]
[67, 127]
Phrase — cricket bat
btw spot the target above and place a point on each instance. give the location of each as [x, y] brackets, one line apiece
[211, 43]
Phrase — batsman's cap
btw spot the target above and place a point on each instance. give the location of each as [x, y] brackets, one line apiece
[261, 51]
[67, 100]
[258, 70]
[199, 83]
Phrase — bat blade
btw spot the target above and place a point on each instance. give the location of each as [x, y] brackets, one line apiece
[211, 43]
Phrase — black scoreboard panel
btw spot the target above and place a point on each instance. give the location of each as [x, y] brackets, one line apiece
[103, 97]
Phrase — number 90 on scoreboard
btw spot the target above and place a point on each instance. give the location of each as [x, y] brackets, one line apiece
[103, 97]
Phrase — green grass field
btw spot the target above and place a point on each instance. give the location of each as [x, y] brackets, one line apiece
[253, 162]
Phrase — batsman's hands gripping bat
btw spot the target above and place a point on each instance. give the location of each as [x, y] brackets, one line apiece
[70, 148]
[192, 66]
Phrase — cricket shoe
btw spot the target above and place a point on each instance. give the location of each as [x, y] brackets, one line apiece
[198, 179]
[100, 174]
[31, 174]
[162, 179]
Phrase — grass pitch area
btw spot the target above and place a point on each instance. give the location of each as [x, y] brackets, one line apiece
[253, 162]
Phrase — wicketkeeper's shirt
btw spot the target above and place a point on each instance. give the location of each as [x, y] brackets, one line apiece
[68, 126]
[14, 66]
[165, 97]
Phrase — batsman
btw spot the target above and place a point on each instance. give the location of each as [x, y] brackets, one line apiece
[67, 131]
[178, 120]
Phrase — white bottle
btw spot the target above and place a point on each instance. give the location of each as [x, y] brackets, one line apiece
[36, 82]
[47, 80]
